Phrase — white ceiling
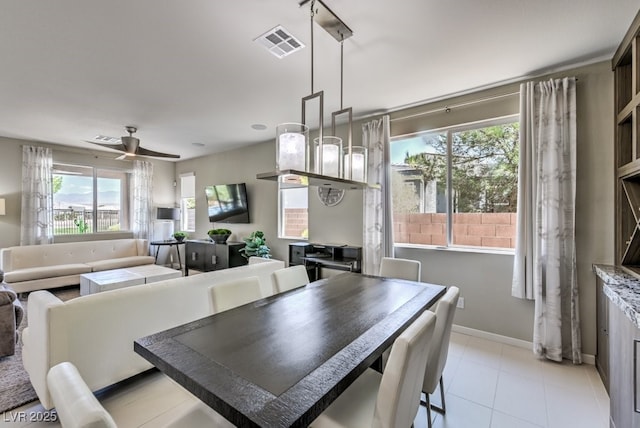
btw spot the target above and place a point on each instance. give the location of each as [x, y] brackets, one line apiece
[188, 72]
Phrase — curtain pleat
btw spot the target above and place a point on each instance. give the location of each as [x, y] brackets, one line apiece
[377, 230]
[142, 191]
[545, 260]
[37, 196]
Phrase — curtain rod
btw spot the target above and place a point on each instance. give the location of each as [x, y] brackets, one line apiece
[447, 108]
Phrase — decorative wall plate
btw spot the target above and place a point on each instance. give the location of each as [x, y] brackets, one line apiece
[330, 196]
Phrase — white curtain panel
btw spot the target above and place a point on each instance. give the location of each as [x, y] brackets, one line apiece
[377, 231]
[142, 191]
[545, 260]
[37, 196]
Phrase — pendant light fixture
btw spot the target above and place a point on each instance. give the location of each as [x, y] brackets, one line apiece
[355, 157]
[325, 156]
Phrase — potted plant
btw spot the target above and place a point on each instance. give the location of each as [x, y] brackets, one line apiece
[180, 236]
[256, 245]
[219, 236]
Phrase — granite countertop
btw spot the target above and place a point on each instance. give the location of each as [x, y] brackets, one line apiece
[622, 288]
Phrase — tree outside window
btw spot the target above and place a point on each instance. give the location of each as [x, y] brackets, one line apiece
[457, 186]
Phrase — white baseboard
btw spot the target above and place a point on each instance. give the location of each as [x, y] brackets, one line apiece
[586, 358]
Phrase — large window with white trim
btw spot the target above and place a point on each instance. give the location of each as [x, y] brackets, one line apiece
[457, 186]
[89, 199]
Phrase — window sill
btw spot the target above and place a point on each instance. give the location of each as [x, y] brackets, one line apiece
[477, 250]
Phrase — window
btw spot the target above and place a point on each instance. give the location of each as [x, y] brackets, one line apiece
[293, 203]
[457, 186]
[188, 202]
[89, 200]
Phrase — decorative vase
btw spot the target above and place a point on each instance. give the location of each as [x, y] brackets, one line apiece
[219, 239]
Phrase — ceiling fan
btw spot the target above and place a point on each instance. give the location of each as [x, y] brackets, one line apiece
[131, 147]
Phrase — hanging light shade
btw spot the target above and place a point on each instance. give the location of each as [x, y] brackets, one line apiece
[355, 164]
[293, 151]
[291, 146]
[328, 156]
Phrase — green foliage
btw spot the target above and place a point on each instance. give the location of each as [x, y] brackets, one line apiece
[484, 168]
[256, 245]
[82, 225]
[219, 232]
[180, 235]
[57, 183]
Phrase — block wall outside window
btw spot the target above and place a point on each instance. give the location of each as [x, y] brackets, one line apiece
[296, 222]
[495, 230]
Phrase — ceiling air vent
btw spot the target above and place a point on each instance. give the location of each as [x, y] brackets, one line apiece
[105, 139]
[279, 42]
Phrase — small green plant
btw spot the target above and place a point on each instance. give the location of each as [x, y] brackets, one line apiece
[219, 232]
[179, 236]
[219, 236]
[81, 225]
[256, 245]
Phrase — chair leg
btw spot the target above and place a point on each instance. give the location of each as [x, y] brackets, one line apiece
[444, 409]
[433, 406]
[427, 403]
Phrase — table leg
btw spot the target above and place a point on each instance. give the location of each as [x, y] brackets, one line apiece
[179, 261]
[157, 251]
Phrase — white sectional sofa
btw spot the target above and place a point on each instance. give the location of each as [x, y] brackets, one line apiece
[96, 332]
[38, 267]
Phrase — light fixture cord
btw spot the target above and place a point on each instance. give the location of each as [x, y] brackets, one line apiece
[313, 3]
[341, 68]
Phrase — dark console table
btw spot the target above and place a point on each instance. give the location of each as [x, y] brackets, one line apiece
[317, 256]
[205, 255]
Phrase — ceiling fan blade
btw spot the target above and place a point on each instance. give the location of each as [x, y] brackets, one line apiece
[118, 147]
[146, 152]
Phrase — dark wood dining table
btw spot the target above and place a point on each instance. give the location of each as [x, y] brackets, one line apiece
[280, 361]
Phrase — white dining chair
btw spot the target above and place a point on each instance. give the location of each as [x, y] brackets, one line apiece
[388, 400]
[445, 311]
[77, 407]
[400, 268]
[289, 278]
[231, 294]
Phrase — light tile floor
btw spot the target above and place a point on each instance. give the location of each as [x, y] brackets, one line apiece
[487, 385]
[491, 385]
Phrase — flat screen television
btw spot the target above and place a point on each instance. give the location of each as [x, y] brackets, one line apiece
[227, 203]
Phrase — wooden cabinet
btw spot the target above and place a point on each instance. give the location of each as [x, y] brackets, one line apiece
[626, 66]
[624, 346]
[206, 256]
[602, 321]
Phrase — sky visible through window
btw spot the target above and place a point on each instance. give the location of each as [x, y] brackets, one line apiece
[78, 191]
[411, 145]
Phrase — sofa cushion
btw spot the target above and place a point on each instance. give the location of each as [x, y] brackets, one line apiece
[26, 256]
[122, 262]
[28, 274]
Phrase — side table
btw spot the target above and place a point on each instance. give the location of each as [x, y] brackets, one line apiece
[170, 243]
